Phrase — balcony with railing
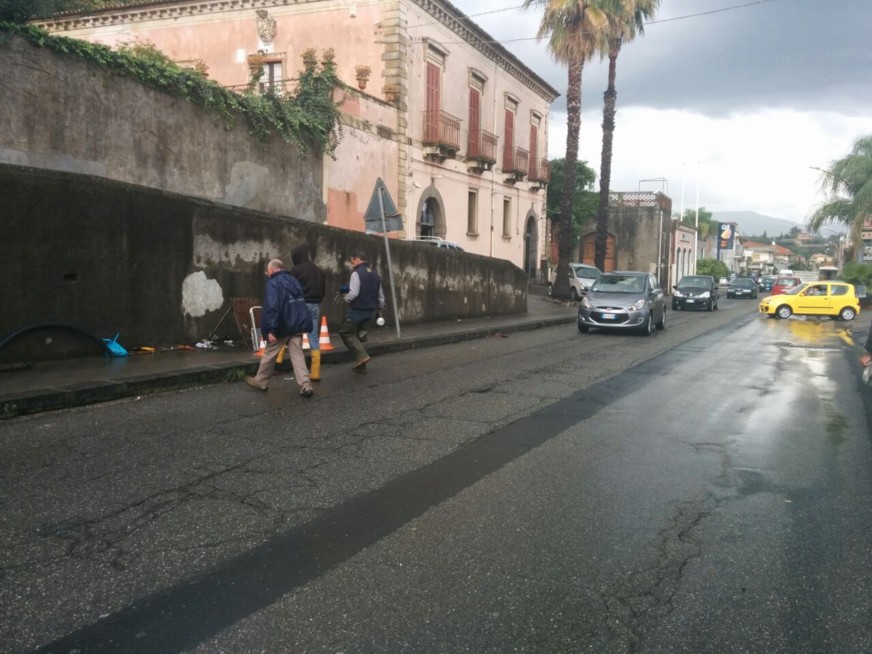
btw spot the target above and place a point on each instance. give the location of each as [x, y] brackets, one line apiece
[540, 173]
[481, 150]
[441, 135]
[516, 164]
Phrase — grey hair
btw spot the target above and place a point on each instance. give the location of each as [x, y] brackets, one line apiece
[275, 264]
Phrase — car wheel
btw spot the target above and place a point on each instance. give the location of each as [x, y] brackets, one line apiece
[711, 306]
[661, 324]
[784, 312]
[573, 294]
[550, 290]
[583, 329]
[716, 305]
[847, 313]
[648, 327]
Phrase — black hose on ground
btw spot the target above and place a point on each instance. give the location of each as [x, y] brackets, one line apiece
[54, 326]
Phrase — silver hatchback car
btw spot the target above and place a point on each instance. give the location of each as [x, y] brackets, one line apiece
[623, 300]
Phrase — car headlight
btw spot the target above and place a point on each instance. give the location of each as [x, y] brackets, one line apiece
[638, 305]
[586, 303]
[706, 294]
[678, 293]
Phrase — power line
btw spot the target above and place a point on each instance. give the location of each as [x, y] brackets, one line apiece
[710, 12]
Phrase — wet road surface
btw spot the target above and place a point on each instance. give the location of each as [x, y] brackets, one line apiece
[704, 490]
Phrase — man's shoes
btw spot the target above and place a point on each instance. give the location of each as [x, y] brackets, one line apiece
[306, 390]
[360, 364]
[251, 381]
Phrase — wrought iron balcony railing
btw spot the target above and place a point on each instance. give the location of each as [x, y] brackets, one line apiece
[540, 171]
[442, 129]
[516, 161]
[482, 145]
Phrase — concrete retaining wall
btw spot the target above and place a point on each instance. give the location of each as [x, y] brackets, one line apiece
[160, 268]
[60, 112]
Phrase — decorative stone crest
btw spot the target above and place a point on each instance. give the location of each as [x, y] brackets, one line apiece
[266, 26]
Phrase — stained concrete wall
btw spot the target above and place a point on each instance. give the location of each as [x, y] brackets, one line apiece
[60, 112]
[160, 268]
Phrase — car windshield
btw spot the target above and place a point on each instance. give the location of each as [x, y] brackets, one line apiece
[619, 284]
[744, 283]
[796, 290]
[585, 272]
[694, 282]
[786, 281]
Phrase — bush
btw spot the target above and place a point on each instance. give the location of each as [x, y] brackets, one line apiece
[713, 267]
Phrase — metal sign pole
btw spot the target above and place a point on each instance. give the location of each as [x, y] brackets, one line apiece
[381, 205]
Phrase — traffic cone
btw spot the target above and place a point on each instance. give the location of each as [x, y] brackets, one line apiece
[324, 343]
[260, 352]
[306, 345]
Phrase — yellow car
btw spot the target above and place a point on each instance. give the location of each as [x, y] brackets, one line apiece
[836, 299]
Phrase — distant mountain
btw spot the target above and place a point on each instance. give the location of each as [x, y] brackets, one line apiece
[751, 223]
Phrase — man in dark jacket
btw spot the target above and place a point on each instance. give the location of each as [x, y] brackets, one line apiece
[283, 321]
[313, 281]
[365, 297]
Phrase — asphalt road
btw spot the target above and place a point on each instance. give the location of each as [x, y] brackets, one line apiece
[703, 490]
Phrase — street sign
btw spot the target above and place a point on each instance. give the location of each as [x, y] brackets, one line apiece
[377, 220]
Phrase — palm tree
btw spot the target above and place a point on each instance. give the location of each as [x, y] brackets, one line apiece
[626, 19]
[571, 27]
[849, 185]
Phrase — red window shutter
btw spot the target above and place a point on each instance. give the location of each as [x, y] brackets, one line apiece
[534, 151]
[509, 141]
[474, 140]
[434, 102]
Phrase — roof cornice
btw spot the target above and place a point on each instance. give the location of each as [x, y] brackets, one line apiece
[442, 10]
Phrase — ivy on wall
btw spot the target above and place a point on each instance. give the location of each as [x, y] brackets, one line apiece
[308, 117]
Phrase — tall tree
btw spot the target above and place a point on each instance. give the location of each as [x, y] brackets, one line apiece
[626, 18]
[848, 182]
[570, 27]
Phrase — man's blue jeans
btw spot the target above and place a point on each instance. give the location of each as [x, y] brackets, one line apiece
[315, 334]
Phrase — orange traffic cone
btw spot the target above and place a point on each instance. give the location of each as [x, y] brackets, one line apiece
[324, 343]
[306, 344]
[259, 353]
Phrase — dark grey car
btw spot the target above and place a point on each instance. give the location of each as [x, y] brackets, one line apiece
[695, 292]
[623, 300]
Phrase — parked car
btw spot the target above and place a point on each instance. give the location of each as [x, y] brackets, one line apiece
[695, 292]
[784, 283]
[439, 243]
[723, 281]
[581, 276]
[742, 287]
[766, 282]
[623, 300]
[836, 299]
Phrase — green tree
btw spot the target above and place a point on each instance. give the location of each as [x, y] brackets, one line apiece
[625, 19]
[571, 27]
[584, 198]
[713, 267]
[848, 183]
[20, 11]
[707, 224]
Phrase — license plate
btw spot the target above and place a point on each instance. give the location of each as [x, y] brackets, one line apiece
[691, 301]
[608, 316]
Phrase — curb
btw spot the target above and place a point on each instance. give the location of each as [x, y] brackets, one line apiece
[107, 390]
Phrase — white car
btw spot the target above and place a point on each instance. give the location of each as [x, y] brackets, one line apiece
[581, 276]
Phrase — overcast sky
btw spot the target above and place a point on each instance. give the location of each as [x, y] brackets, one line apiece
[735, 105]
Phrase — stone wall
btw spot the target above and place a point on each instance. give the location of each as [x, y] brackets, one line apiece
[159, 268]
[60, 112]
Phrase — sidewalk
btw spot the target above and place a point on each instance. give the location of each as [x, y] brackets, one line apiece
[62, 384]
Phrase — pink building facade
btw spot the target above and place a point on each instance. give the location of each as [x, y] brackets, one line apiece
[455, 125]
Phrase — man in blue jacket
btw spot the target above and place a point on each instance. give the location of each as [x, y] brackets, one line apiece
[365, 297]
[284, 319]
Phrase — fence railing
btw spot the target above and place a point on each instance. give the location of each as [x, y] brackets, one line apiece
[540, 170]
[482, 145]
[516, 160]
[441, 128]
